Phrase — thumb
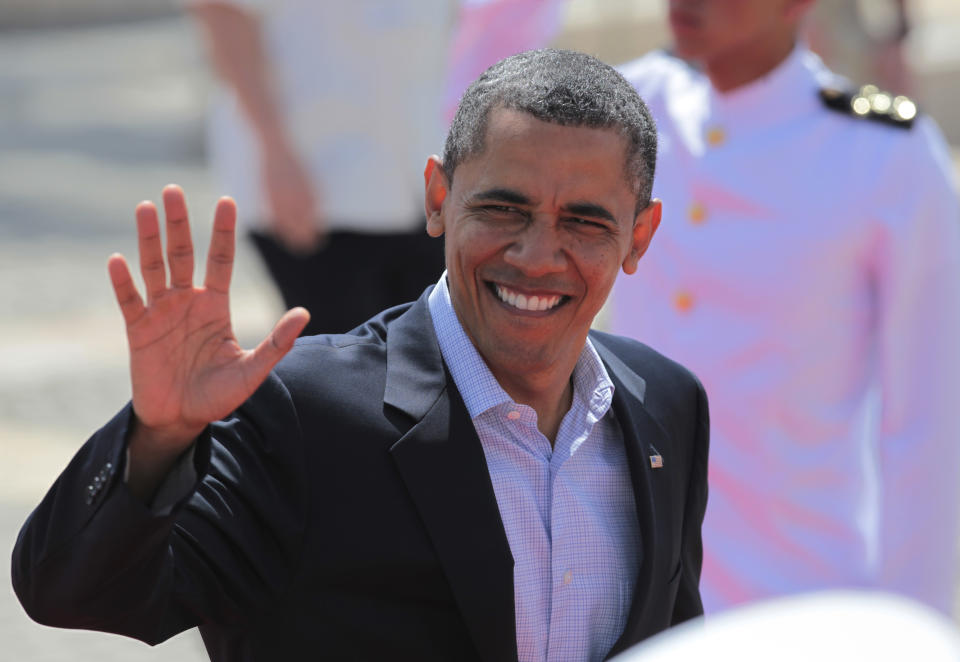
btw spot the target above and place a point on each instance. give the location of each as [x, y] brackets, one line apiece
[278, 342]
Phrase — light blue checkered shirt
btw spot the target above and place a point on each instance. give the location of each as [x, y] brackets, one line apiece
[568, 512]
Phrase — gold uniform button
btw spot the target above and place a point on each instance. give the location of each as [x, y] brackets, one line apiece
[697, 213]
[567, 577]
[716, 136]
[683, 301]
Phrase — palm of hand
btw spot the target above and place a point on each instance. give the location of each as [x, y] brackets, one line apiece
[186, 364]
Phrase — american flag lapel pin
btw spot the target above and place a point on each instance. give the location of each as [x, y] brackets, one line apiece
[656, 461]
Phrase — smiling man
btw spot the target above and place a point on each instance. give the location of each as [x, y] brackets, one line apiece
[473, 476]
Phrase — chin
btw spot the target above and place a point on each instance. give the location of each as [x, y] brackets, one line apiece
[687, 49]
[524, 356]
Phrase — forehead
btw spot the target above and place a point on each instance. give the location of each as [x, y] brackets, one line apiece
[522, 151]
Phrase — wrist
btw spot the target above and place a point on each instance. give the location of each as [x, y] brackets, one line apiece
[151, 454]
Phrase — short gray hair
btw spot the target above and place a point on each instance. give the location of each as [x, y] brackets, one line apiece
[562, 87]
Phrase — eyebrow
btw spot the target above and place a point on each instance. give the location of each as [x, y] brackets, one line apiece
[511, 196]
[501, 195]
[589, 209]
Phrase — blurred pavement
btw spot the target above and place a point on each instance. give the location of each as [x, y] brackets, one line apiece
[93, 119]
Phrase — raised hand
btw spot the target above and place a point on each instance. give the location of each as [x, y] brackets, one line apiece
[186, 366]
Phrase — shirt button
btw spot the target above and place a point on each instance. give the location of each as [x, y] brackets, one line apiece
[697, 213]
[683, 301]
[716, 136]
[513, 415]
[567, 577]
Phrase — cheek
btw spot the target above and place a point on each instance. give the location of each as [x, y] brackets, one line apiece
[476, 243]
[598, 262]
[467, 250]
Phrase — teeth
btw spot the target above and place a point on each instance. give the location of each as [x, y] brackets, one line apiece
[521, 301]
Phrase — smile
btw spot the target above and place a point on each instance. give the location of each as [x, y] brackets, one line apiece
[523, 302]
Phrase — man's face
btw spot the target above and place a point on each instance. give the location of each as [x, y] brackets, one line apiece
[537, 226]
[707, 29]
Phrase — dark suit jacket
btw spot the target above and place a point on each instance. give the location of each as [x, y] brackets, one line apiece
[345, 512]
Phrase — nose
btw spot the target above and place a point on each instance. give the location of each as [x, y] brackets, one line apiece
[538, 250]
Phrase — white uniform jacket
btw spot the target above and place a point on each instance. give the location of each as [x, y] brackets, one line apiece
[808, 271]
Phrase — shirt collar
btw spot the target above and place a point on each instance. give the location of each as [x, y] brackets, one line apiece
[477, 385]
[797, 78]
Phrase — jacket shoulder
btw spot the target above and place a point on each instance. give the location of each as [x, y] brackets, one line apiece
[335, 352]
[644, 360]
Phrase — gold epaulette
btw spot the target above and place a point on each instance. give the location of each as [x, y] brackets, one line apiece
[872, 103]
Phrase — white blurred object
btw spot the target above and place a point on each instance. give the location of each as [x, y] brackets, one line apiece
[487, 31]
[823, 626]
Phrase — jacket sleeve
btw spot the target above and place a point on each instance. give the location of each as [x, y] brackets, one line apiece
[92, 556]
[917, 275]
[688, 603]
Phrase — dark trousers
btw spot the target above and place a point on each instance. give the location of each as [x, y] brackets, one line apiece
[353, 276]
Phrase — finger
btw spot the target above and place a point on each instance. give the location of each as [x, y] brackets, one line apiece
[179, 242]
[131, 304]
[222, 246]
[152, 267]
[275, 346]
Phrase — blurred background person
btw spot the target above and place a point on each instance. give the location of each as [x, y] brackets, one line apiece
[324, 114]
[325, 111]
[808, 271]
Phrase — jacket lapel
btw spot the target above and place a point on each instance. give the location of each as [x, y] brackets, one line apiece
[642, 435]
[442, 464]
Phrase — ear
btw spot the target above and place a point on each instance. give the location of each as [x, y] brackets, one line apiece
[644, 226]
[435, 192]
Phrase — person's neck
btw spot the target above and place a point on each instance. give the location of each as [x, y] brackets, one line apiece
[549, 394]
[729, 71]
